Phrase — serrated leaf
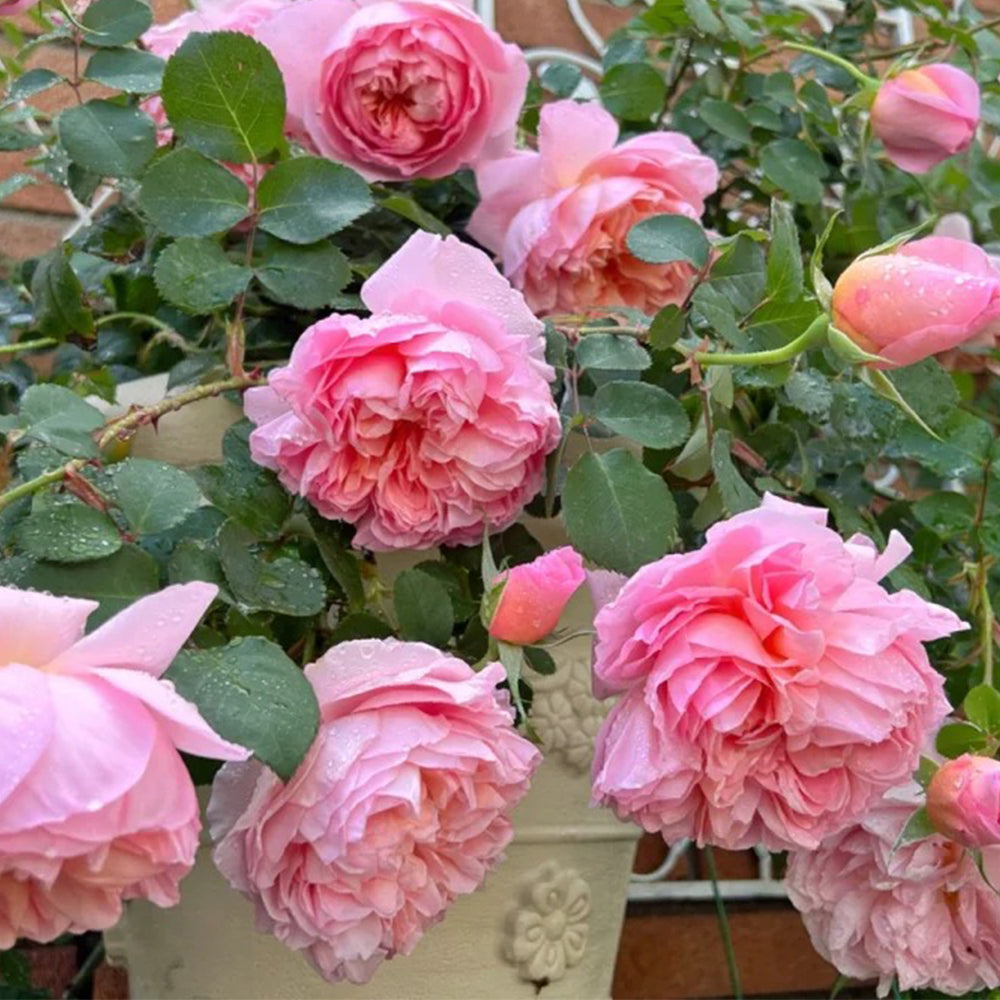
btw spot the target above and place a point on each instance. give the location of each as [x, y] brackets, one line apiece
[339, 558]
[665, 239]
[14, 183]
[197, 276]
[982, 707]
[153, 496]
[224, 95]
[666, 328]
[795, 168]
[784, 257]
[110, 23]
[107, 139]
[611, 352]
[31, 83]
[308, 277]
[68, 533]
[58, 298]
[645, 413]
[187, 194]
[734, 492]
[617, 512]
[918, 827]
[129, 70]
[252, 694]
[633, 91]
[308, 198]
[406, 208]
[60, 419]
[722, 117]
[423, 608]
[956, 738]
[946, 514]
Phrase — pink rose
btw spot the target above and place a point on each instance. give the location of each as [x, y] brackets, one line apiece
[426, 418]
[558, 218]
[963, 800]
[925, 115]
[772, 690]
[400, 806]
[96, 805]
[397, 88]
[8, 8]
[921, 912]
[534, 595]
[930, 295]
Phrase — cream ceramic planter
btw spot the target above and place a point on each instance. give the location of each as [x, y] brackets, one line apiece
[548, 920]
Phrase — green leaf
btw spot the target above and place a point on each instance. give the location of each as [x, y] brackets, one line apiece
[60, 419]
[252, 694]
[243, 490]
[795, 168]
[68, 533]
[114, 582]
[722, 117]
[153, 496]
[540, 660]
[928, 389]
[946, 514]
[406, 208]
[633, 91]
[784, 258]
[58, 298]
[194, 560]
[561, 78]
[308, 277]
[360, 626]
[31, 83]
[187, 194]
[664, 239]
[704, 18]
[617, 512]
[130, 70]
[926, 770]
[224, 95]
[645, 413]
[15, 182]
[735, 494]
[285, 585]
[339, 559]
[111, 23]
[982, 707]
[611, 352]
[956, 738]
[107, 139]
[918, 827]
[512, 658]
[423, 608]
[197, 276]
[959, 451]
[306, 199]
[666, 328]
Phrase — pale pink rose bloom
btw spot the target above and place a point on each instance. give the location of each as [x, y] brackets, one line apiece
[771, 689]
[96, 805]
[397, 88]
[558, 218]
[925, 115]
[929, 296]
[8, 8]
[534, 596]
[401, 806]
[963, 800]
[419, 422]
[922, 912]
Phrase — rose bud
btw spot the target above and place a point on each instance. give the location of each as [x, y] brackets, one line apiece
[925, 115]
[929, 296]
[963, 800]
[534, 595]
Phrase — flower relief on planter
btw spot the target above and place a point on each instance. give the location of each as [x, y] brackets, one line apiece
[455, 477]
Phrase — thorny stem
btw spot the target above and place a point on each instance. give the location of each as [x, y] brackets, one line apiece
[724, 933]
[235, 335]
[122, 428]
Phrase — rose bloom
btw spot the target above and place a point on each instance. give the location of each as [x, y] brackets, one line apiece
[925, 115]
[96, 805]
[400, 806]
[926, 297]
[963, 800]
[772, 690]
[559, 218]
[921, 912]
[534, 596]
[397, 88]
[421, 421]
[8, 8]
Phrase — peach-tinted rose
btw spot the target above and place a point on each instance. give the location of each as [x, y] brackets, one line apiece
[397, 88]
[534, 595]
[96, 805]
[921, 912]
[963, 800]
[400, 806]
[559, 218]
[925, 115]
[423, 420]
[929, 296]
[772, 690]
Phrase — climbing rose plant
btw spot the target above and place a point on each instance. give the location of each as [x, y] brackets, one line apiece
[724, 314]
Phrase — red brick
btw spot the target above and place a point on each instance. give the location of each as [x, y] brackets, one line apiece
[25, 234]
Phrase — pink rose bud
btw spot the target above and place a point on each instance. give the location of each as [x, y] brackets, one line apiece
[929, 296]
[8, 8]
[534, 596]
[963, 800]
[925, 115]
